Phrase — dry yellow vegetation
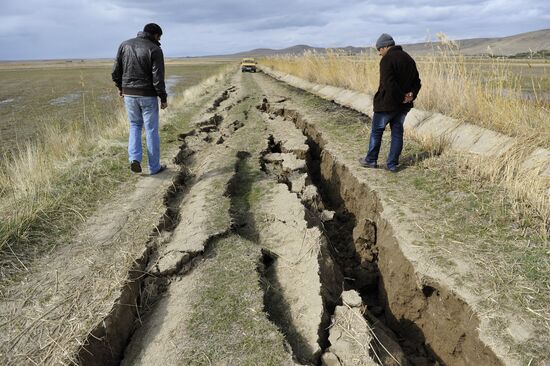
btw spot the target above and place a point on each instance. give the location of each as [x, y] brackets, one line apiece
[488, 92]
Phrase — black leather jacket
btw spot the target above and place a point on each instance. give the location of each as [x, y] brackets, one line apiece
[139, 67]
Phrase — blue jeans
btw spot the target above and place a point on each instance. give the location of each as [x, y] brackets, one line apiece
[379, 122]
[144, 111]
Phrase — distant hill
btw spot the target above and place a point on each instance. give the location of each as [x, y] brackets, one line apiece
[505, 46]
[294, 50]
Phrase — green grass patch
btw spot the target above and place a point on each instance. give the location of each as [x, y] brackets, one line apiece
[228, 324]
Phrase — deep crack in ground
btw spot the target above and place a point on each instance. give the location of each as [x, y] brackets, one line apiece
[352, 260]
[358, 261]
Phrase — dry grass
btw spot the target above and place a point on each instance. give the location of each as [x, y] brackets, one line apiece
[57, 312]
[527, 192]
[486, 92]
[29, 176]
[44, 318]
[334, 68]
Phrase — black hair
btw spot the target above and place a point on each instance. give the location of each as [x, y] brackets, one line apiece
[152, 28]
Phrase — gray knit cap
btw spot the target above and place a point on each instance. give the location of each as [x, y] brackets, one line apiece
[384, 40]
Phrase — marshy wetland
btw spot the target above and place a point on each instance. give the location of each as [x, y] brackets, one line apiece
[36, 94]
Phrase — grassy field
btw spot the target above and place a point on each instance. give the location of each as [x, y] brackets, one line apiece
[37, 95]
[70, 156]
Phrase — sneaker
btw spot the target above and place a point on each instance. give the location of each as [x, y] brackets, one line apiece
[135, 166]
[162, 168]
[391, 169]
[365, 164]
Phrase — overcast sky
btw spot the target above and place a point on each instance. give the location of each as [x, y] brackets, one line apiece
[49, 29]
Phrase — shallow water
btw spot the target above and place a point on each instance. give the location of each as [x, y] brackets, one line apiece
[171, 82]
[65, 99]
[7, 101]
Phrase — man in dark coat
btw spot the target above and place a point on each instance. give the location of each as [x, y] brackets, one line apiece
[138, 73]
[399, 86]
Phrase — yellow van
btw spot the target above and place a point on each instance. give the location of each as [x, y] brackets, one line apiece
[248, 64]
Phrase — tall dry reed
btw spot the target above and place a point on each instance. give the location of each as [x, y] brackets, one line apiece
[482, 91]
[30, 175]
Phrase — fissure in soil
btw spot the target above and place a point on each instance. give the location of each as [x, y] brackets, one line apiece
[360, 270]
[106, 343]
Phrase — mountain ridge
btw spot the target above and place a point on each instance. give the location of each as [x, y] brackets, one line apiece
[499, 46]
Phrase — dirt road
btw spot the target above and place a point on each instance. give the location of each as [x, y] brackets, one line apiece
[272, 247]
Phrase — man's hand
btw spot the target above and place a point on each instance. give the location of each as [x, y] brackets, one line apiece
[408, 97]
[163, 105]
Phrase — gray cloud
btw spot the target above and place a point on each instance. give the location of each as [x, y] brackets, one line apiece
[88, 28]
[284, 22]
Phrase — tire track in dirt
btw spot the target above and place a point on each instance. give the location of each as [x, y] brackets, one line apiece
[300, 306]
[215, 153]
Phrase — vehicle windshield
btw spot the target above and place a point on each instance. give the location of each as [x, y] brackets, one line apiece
[248, 60]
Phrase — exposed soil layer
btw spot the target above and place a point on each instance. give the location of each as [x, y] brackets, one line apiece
[328, 211]
[429, 323]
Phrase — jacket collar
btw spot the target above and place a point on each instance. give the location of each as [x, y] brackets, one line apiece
[395, 48]
[148, 36]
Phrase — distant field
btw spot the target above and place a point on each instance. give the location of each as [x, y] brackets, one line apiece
[35, 94]
[531, 76]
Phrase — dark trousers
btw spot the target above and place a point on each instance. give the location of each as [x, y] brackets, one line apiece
[379, 122]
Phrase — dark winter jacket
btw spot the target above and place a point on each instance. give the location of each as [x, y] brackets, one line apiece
[139, 67]
[398, 76]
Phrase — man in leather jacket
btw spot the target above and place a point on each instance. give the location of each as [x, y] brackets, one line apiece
[399, 86]
[138, 73]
